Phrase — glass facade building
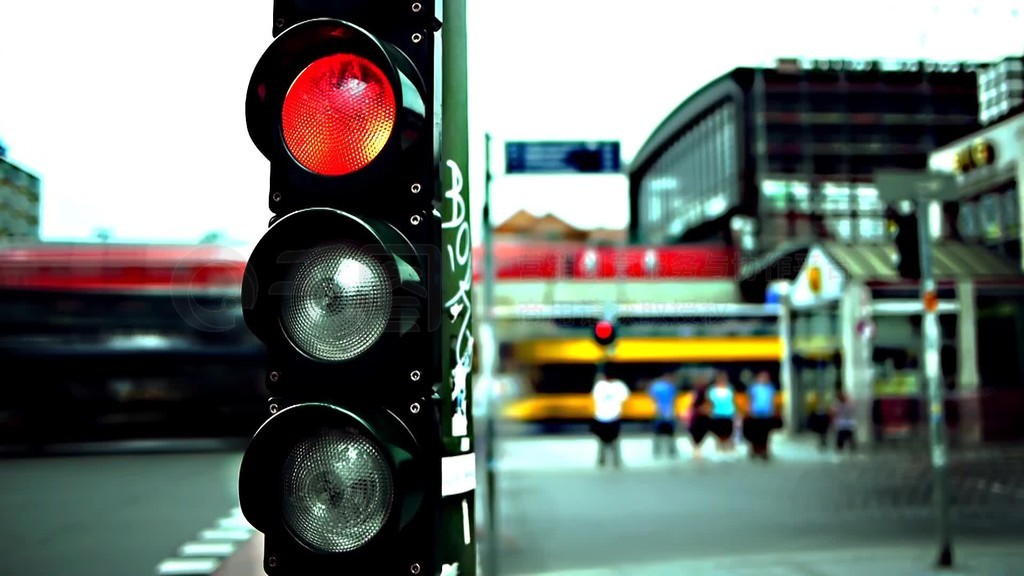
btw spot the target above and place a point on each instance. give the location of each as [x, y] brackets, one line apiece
[792, 151]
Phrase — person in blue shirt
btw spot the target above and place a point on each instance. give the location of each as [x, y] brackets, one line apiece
[664, 392]
[762, 418]
[722, 399]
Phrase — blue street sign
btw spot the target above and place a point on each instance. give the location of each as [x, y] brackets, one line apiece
[562, 157]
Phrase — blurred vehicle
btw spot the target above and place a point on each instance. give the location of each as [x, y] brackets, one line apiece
[555, 408]
[558, 371]
[106, 341]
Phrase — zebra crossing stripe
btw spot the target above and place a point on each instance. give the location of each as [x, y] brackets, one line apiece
[226, 535]
[207, 549]
[203, 556]
[233, 523]
[188, 567]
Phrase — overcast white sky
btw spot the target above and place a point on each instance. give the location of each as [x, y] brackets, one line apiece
[140, 128]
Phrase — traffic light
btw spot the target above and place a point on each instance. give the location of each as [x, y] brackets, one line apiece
[604, 332]
[345, 291]
[905, 230]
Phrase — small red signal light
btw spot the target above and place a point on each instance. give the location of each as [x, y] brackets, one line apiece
[604, 332]
[338, 114]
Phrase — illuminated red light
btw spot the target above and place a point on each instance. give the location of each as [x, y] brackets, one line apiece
[603, 330]
[338, 114]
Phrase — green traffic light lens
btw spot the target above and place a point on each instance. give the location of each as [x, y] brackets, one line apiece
[337, 490]
[338, 114]
[339, 303]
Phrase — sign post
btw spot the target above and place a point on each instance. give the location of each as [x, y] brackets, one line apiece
[488, 356]
[520, 158]
[923, 188]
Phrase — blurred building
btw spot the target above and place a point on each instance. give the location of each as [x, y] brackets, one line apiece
[989, 169]
[19, 203]
[1000, 89]
[780, 164]
[766, 156]
[526, 227]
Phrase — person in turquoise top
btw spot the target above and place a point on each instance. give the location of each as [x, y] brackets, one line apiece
[761, 420]
[722, 400]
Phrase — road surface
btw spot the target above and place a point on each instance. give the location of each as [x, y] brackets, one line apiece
[560, 512]
[116, 515]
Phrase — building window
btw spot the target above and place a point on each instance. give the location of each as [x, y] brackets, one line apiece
[967, 221]
[871, 228]
[867, 200]
[835, 199]
[800, 195]
[656, 207]
[774, 195]
[729, 133]
[840, 228]
[1011, 213]
[991, 217]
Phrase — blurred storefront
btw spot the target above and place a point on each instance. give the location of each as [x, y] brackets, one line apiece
[989, 168]
[856, 326]
[988, 171]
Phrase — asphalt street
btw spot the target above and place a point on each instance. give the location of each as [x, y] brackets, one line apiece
[130, 514]
[559, 512]
[116, 515]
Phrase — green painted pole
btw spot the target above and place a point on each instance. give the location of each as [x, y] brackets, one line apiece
[457, 541]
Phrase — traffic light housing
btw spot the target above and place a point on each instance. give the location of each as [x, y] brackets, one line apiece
[908, 244]
[345, 291]
[605, 332]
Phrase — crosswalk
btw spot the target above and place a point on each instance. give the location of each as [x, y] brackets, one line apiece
[202, 556]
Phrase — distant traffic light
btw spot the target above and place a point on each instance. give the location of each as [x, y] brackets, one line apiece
[605, 332]
[908, 248]
[345, 477]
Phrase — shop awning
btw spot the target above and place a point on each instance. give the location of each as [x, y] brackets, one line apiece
[952, 260]
[781, 263]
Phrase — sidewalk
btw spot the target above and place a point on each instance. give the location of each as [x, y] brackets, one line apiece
[580, 451]
[977, 560]
[575, 451]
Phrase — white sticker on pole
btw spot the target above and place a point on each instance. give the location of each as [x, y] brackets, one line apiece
[458, 474]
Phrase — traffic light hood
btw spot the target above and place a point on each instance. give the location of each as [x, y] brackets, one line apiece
[333, 101]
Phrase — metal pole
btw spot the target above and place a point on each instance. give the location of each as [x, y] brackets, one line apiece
[489, 354]
[787, 381]
[933, 376]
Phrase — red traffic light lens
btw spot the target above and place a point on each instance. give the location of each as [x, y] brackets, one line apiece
[603, 330]
[338, 114]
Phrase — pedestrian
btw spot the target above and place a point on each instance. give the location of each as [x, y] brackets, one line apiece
[609, 396]
[664, 392]
[845, 422]
[723, 412]
[761, 417]
[818, 419]
[698, 420]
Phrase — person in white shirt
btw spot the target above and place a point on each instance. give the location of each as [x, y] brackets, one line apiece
[844, 416]
[609, 396]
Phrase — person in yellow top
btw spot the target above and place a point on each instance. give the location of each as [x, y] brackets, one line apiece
[819, 420]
